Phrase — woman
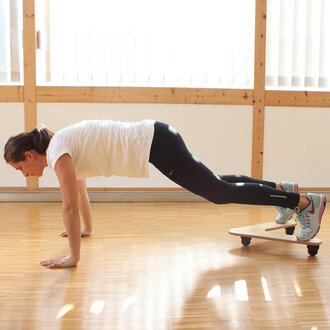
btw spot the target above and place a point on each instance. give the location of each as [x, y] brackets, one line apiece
[103, 148]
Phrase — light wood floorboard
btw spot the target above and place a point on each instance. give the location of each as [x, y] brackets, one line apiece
[159, 266]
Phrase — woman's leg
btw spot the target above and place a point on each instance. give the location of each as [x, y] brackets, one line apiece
[170, 155]
[246, 179]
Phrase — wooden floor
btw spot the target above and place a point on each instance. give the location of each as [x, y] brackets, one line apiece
[159, 266]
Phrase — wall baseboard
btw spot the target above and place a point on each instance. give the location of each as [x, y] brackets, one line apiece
[103, 196]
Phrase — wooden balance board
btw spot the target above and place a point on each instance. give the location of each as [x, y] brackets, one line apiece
[266, 231]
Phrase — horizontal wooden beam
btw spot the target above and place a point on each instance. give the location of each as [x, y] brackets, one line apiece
[11, 93]
[144, 95]
[165, 95]
[297, 99]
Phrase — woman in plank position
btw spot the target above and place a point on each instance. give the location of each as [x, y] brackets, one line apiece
[105, 147]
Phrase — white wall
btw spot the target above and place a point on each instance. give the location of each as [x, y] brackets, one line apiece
[220, 136]
[296, 145]
[12, 122]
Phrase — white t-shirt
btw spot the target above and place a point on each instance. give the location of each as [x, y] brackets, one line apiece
[104, 148]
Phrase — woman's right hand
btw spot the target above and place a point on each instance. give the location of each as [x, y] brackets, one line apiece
[63, 262]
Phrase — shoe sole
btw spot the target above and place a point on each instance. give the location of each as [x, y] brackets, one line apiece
[282, 223]
[322, 208]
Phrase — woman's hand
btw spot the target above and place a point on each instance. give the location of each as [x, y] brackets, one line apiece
[83, 233]
[64, 262]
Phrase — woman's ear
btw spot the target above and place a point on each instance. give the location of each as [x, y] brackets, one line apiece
[29, 155]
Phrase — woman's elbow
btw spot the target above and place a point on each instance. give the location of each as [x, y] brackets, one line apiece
[71, 210]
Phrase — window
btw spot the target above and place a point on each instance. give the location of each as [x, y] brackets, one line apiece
[298, 44]
[156, 43]
[11, 50]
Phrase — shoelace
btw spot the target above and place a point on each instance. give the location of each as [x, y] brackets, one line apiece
[304, 219]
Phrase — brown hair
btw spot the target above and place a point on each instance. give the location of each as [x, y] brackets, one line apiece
[38, 139]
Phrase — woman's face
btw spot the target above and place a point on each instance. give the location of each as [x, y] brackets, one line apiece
[31, 166]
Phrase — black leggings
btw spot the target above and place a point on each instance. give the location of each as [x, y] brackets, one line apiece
[170, 155]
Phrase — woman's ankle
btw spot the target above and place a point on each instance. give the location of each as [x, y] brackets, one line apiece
[303, 202]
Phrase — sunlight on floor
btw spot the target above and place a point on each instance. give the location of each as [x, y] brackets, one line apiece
[97, 307]
[241, 292]
[265, 288]
[297, 288]
[65, 309]
[128, 302]
[214, 292]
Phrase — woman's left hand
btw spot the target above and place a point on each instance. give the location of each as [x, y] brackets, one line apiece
[63, 262]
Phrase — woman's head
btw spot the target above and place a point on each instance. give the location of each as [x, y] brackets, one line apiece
[16, 146]
[20, 149]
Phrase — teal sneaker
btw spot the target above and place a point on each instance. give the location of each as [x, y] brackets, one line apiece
[285, 214]
[310, 217]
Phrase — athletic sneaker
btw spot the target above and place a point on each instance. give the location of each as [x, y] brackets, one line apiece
[285, 214]
[310, 217]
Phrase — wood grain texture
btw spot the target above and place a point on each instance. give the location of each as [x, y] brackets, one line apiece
[297, 99]
[267, 231]
[145, 95]
[30, 91]
[159, 266]
[259, 89]
[11, 94]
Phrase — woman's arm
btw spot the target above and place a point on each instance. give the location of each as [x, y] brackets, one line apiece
[85, 209]
[66, 174]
